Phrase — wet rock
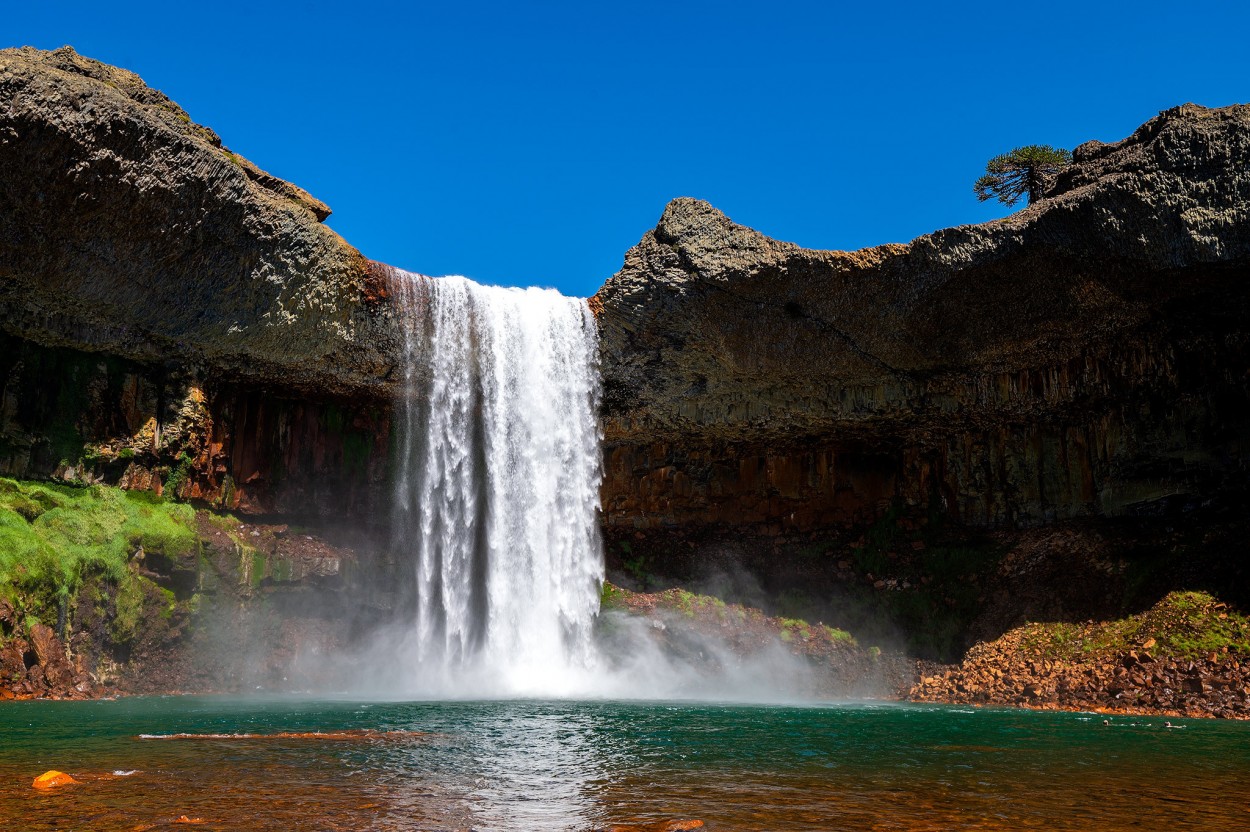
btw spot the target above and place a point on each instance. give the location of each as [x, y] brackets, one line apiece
[53, 668]
[52, 780]
[13, 660]
[1094, 679]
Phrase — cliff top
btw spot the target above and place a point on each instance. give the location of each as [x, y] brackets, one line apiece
[127, 228]
[157, 105]
[1189, 142]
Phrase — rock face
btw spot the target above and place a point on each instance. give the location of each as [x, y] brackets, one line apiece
[37, 664]
[184, 432]
[126, 228]
[174, 319]
[1076, 358]
[166, 307]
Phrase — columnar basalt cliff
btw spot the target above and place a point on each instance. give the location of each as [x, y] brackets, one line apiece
[1081, 357]
[945, 430]
[161, 296]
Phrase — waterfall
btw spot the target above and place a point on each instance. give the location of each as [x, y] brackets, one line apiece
[497, 485]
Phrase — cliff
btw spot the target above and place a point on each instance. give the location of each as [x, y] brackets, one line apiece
[1070, 360]
[128, 229]
[161, 298]
[1078, 358]
[930, 441]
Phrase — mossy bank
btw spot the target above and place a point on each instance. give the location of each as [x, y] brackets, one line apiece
[105, 590]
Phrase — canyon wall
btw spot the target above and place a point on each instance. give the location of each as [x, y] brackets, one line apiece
[161, 298]
[1083, 357]
[128, 229]
[173, 319]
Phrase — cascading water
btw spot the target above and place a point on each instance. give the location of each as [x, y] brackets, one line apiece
[497, 485]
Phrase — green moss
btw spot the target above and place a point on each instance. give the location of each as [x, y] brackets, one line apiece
[611, 597]
[52, 536]
[28, 508]
[178, 476]
[838, 636]
[693, 605]
[685, 602]
[170, 603]
[128, 611]
[796, 625]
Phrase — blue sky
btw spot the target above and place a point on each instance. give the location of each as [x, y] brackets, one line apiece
[533, 143]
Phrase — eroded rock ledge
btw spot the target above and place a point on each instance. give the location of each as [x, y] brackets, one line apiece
[128, 229]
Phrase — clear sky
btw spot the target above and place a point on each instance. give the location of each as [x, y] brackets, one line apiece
[534, 142]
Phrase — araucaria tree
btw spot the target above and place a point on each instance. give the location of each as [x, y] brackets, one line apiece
[1022, 172]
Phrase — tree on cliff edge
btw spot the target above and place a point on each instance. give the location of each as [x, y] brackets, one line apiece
[1023, 171]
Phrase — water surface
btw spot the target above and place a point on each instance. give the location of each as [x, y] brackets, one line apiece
[537, 765]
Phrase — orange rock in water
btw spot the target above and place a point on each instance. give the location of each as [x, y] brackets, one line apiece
[682, 825]
[52, 779]
[185, 819]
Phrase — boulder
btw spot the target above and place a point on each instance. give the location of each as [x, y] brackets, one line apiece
[52, 780]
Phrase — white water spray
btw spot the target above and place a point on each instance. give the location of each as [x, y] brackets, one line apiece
[497, 486]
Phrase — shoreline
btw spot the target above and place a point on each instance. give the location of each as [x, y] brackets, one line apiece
[1052, 707]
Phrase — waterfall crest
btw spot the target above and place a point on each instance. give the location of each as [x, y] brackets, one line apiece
[497, 485]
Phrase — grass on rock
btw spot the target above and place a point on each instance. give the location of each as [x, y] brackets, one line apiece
[1183, 625]
[711, 610]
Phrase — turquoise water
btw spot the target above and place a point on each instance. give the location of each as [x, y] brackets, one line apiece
[533, 765]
